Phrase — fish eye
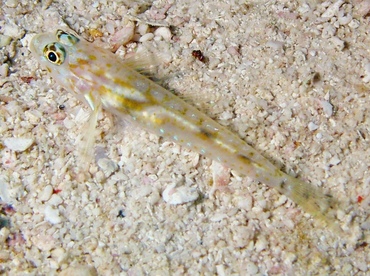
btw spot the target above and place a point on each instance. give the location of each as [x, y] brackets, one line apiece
[52, 57]
[55, 53]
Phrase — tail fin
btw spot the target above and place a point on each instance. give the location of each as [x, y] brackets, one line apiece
[313, 200]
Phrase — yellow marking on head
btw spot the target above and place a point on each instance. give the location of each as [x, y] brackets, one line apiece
[73, 66]
[92, 57]
[82, 61]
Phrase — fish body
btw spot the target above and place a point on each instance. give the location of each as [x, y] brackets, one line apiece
[103, 80]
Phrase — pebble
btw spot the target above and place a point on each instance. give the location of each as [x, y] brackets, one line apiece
[163, 32]
[11, 3]
[142, 29]
[332, 9]
[261, 244]
[346, 269]
[107, 166]
[4, 255]
[245, 202]
[82, 270]
[18, 144]
[334, 161]
[327, 108]
[289, 258]
[276, 45]
[55, 200]
[312, 126]
[146, 37]
[46, 193]
[4, 190]
[4, 69]
[59, 254]
[52, 215]
[125, 35]
[363, 7]
[366, 78]
[338, 43]
[252, 269]
[4, 234]
[218, 217]
[220, 174]
[179, 195]
[354, 24]
[4, 40]
[221, 270]
[360, 264]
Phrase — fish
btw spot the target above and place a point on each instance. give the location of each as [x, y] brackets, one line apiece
[104, 81]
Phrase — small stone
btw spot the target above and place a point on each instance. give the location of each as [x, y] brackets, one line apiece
[11, 3]
[124, 36]
[4, 256]
[52, 215]
[366, 78]
[179, 195]
[4, 69]
[218, 217]
[332, 9]
[163, 32]
[312, 126]
[79, 270]
[107, 166]
[4, 190]
[46, 193]
[360, 264]
[354, 24]
[261, 244]
[143, 29]
[334, 161]
[4, 234]
[289, 258]
[18, 144]
[252, 269]
[276, 45]
[327, 108]
[338, 43]
[146, 37]
[55, 200]
[59, 254]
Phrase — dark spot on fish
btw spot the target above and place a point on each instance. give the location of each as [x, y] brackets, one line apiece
[306, 194]
[282, 184]
[206, 133]
[245, 158]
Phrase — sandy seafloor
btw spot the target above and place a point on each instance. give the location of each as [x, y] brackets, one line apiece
[292, 78]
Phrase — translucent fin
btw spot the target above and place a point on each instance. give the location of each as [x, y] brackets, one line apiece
[89, 135]
[142, 61]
